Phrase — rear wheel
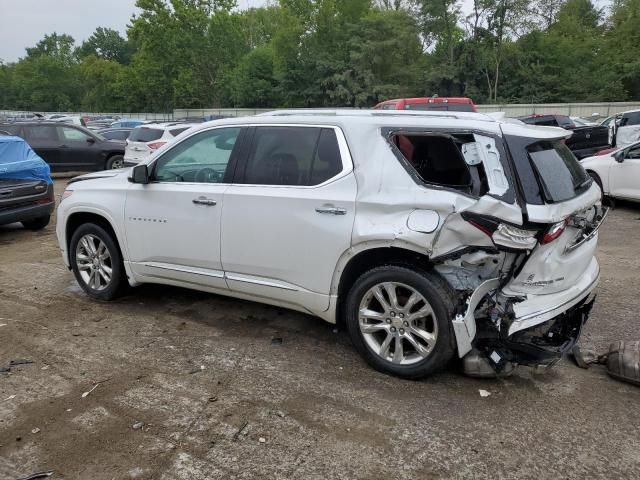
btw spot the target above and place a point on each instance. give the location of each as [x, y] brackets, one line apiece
[115, 162]
[96, 262]
[399, 321]
[36, 223]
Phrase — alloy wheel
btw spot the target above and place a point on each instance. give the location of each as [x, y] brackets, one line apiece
[397, 323]
[94, 262]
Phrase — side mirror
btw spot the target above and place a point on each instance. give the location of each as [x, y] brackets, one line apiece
[139, 174]
[619, 156]
[91, 140]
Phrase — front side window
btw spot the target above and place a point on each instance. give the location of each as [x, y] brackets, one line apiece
[201, 158]
[295, 156]
[73, 135]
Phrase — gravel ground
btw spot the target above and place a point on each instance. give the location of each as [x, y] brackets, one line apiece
[195, 386]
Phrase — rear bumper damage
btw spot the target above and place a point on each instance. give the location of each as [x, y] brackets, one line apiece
[537, 330]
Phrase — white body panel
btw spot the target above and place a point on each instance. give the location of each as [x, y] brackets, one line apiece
[168, 236]
[619, 179]
[270, 244]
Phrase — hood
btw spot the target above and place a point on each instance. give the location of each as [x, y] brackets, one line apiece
[97, 175]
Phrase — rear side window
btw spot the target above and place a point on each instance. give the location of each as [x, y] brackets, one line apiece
[296, 156]
[145, 134]
[438, 159]
[548, 171]
[41, 133]
[10, 129]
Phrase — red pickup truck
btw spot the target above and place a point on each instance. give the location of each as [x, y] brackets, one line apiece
[450, 104]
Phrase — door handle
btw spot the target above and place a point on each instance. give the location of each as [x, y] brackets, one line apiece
[331, 210]
[204, 201]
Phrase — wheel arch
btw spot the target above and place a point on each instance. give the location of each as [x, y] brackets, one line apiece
[598, 178]
[355, 262]
[77, 219]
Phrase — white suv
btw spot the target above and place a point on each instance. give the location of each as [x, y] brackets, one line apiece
[428, 235]
[147, 138]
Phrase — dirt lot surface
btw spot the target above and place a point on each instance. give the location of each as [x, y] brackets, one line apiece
[195, 386]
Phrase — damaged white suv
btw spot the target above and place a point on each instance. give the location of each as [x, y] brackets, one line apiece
[430, 235]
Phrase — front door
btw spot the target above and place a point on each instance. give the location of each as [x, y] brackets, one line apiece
[173, 223]
[288, 216]
[79, 150]
[624, 178]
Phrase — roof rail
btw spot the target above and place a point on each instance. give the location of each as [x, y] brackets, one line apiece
[345, 112]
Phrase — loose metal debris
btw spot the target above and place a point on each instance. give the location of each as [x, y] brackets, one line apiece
[622, 360]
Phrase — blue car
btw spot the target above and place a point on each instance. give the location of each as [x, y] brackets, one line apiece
[26, 187]
[127, 123]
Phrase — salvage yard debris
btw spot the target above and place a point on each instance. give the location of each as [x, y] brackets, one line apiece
[15, 363]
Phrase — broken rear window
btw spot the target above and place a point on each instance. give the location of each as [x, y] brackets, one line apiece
[437, 159]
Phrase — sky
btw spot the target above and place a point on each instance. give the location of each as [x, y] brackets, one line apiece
[23, 23]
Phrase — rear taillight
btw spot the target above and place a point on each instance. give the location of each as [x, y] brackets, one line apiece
[155, 145]
[554, 232]
[503, 234]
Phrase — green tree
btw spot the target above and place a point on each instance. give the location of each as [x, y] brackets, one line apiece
[107, 44]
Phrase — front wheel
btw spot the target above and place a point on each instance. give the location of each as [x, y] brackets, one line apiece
[96, 262]
[399, 320]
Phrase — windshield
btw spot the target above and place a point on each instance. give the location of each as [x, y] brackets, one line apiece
[144, 134]
[560, 174]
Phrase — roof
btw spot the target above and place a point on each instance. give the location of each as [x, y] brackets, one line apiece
[351, 118]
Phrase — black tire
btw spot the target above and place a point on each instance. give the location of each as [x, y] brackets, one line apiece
[596, 178]
[36, 223]
[434, 290]
[116, 161]
[118, 281]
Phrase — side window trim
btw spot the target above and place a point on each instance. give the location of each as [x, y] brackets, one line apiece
[345, 156]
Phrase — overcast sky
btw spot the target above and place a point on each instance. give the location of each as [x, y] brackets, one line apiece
[25, 22]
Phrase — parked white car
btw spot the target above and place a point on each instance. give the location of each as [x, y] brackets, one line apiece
[617, 172]
[407, 227]
[147, 138]
[624, 128]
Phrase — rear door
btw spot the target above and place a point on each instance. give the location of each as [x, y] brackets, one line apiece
[288, 216]
[46, 143]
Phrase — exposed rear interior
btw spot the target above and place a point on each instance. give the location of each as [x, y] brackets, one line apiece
[437, 159]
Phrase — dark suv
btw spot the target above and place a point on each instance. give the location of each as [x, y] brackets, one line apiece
[69, 147]
[586, 139]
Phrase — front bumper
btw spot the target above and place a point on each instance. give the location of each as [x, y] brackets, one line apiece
[26, 212]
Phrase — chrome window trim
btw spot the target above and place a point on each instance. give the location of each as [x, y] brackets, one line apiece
[345, 155]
